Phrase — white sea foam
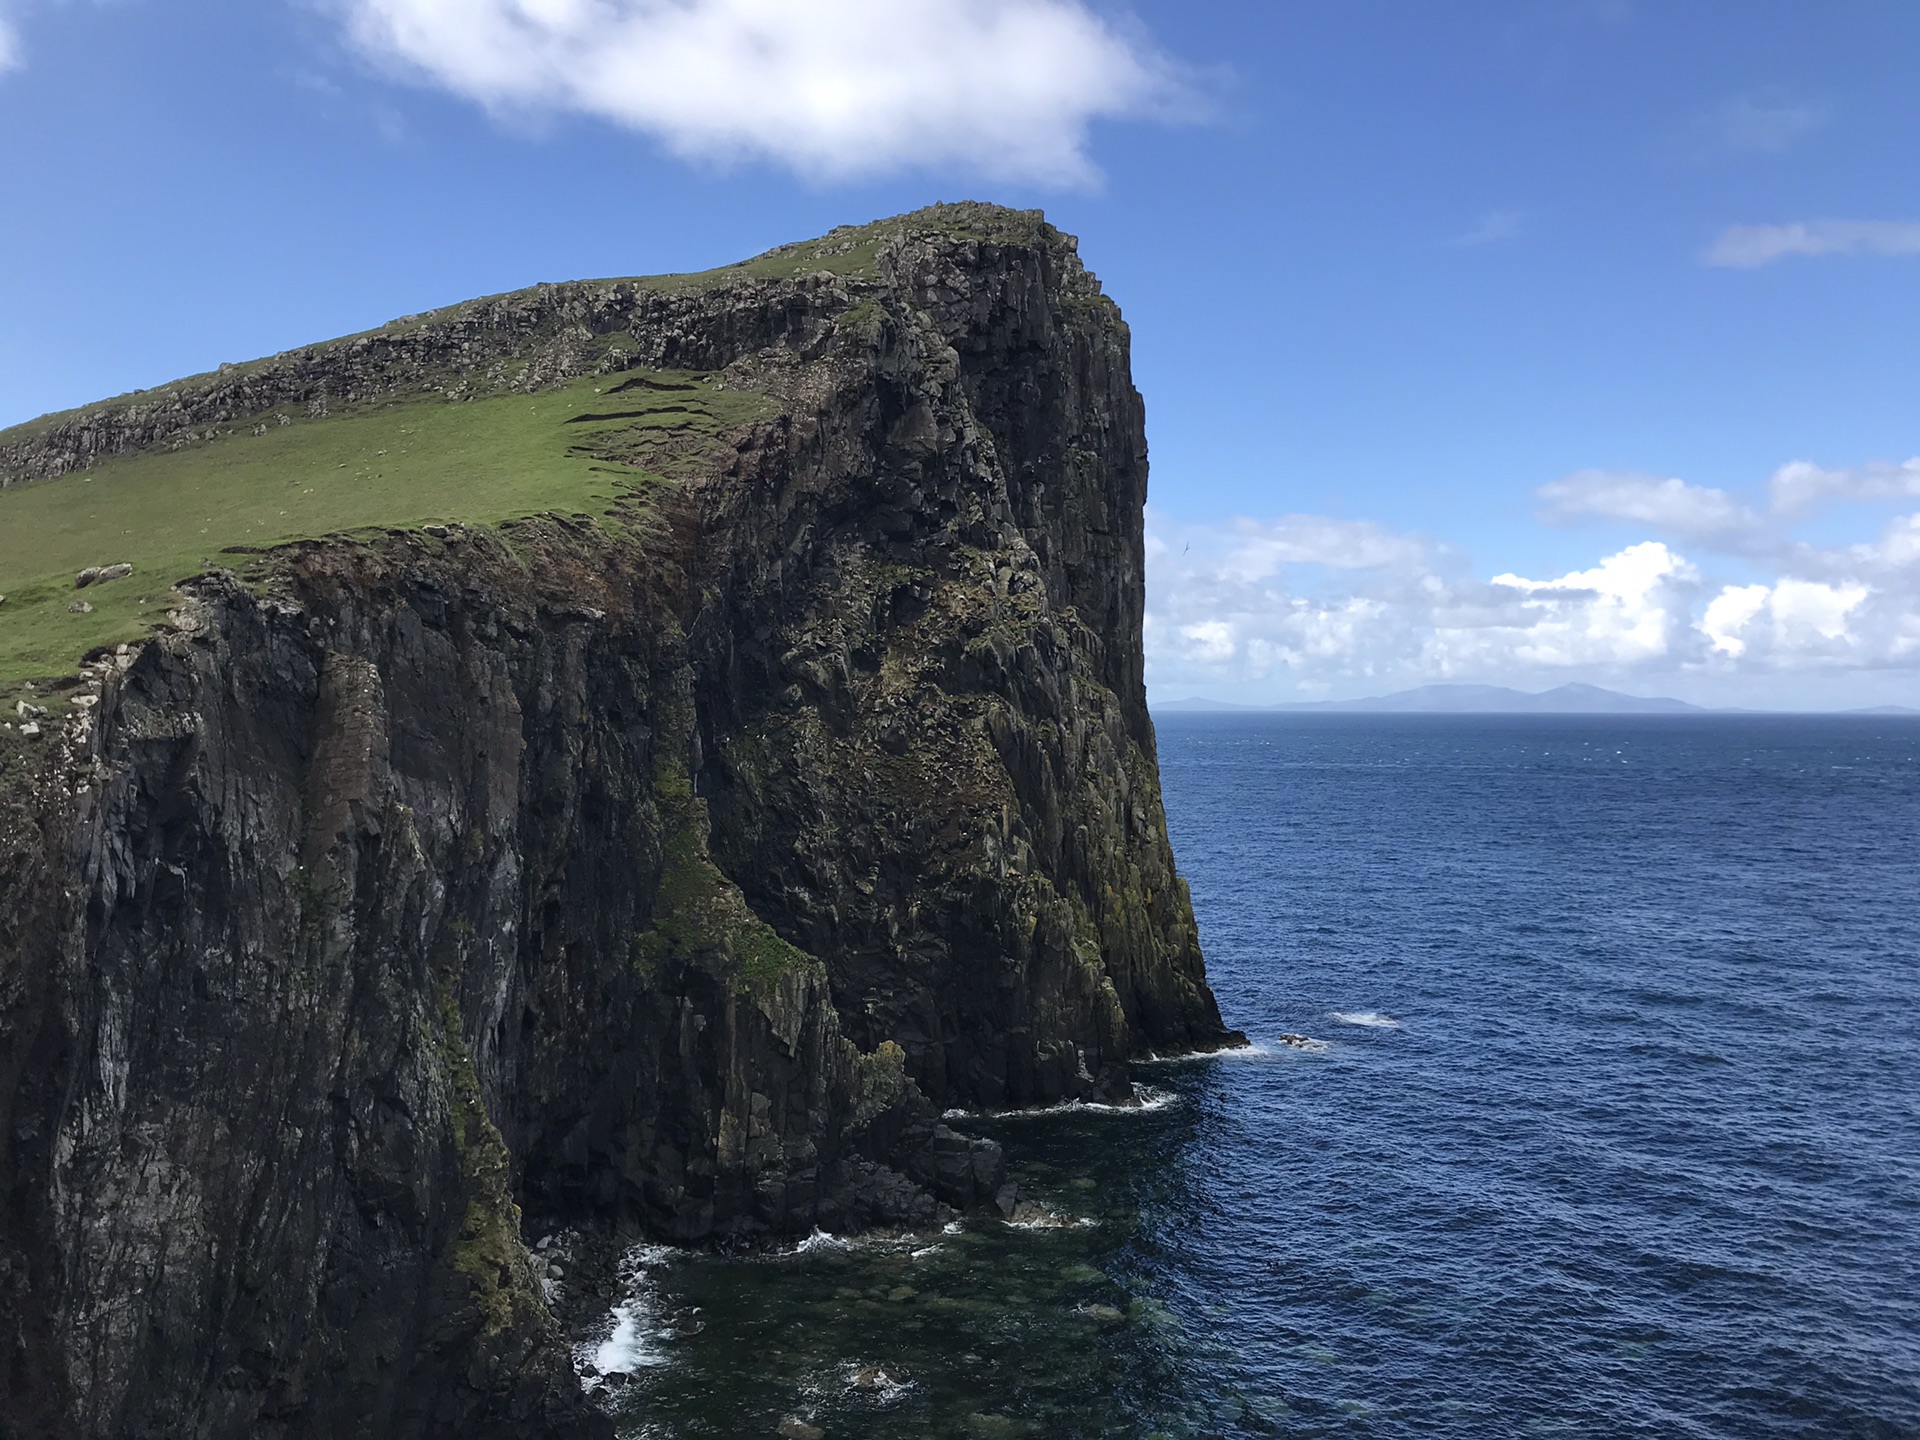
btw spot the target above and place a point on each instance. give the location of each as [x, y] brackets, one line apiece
[820, 1240]
[1254, 1050]
[1149, 1100]
[1370, 1019]
[633, 1343]
[877, 1383]
[1306, 1044]
[633, 1333]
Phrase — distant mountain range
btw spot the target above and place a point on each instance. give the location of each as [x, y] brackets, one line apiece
[1493, 700]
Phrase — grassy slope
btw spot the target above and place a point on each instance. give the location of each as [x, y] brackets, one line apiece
[170, 515]
[390, 466]
[846, 252]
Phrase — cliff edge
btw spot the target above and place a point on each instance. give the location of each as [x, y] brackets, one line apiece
[631, 752]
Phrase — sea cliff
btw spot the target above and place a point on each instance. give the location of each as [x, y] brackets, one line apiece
[668, 860]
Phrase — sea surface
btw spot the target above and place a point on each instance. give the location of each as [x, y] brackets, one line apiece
[1602, 1119]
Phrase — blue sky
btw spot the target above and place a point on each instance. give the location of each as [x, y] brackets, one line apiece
[1480, 341]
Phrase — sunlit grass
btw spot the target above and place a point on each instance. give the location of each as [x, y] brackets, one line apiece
[571, 450]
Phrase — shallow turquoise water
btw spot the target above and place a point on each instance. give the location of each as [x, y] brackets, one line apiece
[1611, 1126]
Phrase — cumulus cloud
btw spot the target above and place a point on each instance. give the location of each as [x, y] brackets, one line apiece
[1325, 601]
[832, 88]
[1668, 505]
[1326, 606]
[1620, 612]
[1799, 485]
[1796, 620]
[1747, 247]
[1730, 612]
[1237, 600]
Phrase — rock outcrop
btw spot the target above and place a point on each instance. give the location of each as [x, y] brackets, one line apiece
[674, 873]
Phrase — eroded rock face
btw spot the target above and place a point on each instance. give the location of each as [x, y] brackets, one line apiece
[673, 875]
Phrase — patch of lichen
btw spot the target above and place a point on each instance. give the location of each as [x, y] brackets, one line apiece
[698, 914]
[488, 1249]
[764, 957]
[880, 1079]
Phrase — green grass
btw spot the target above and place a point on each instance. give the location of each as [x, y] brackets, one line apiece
[582, 449]
[381, 466]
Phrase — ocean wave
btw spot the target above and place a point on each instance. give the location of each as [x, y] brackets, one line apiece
[1367, 1019]
[634, 1333]
[908, 1242]
[1253, 1050]
[1306, 1043]
[1150, 1100]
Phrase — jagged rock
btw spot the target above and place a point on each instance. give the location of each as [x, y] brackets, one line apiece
[674, 877]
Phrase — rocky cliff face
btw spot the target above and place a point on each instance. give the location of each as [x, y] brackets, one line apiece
[672, 873]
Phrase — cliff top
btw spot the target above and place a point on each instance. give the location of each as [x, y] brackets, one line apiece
[848, 251]
[574, 399]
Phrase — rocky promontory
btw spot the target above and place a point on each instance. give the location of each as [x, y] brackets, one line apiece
[669, 864]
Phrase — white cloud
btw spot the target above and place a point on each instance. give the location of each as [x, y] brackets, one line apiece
[1668, 505]
[1618, 613]
[1314, 606]
[831, 88]
[1324, 601]
[1796, 620]
[10, 56]
[1747, 247]
[1799, 485]
[1898, 549]
[1730, 612]
[1260, 548]
[1763, 127]
[1806, 609]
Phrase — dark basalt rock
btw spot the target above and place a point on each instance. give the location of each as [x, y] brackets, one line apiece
[674, 877]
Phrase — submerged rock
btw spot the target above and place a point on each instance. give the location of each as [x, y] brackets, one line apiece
[672, 874]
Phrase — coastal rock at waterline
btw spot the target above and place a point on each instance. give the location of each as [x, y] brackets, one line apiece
[671, 875]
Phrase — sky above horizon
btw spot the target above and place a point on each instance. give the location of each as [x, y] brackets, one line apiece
[1510, 341]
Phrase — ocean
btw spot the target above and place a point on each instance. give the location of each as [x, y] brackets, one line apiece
[1599, 1116]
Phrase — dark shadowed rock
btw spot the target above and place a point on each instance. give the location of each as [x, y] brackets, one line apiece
[672, 874]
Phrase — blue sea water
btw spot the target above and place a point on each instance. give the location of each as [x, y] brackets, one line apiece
[1602, 1119]
[1640, 1154]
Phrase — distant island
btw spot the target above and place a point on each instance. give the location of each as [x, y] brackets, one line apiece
[1491, 700]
